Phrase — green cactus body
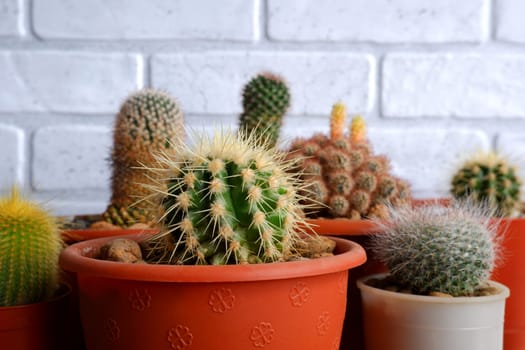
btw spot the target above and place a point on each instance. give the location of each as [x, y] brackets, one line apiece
[147, 123]
[228, 201]
[438, 249]
[357, 183]
[489, 179]
[29, 248]
[265, 101]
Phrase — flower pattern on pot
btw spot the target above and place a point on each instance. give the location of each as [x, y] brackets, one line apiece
[140, 299]
[262, 334]
[299, 294]
[180, 337]
[323, 323]
[111, 330]
[221, 300]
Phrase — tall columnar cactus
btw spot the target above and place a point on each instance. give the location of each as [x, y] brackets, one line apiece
[489, 178]
[432, 248]
[148, 122]
[229, 200]
[265, 101]
[343, 176]
[30, 244]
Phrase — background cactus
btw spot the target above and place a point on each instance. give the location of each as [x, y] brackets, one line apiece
[147, 123]
[438, 249]
[265, 100]
[488, 178]
[30, 244]
[229, 200]
[343, 174]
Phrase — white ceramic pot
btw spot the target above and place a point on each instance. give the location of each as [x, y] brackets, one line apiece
[397, 321]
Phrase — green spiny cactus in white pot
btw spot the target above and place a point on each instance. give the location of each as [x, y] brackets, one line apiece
[437, 294]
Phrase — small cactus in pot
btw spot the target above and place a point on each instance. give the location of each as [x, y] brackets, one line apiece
[344, 177]
[265, 100]
[488, 178]
[30, 244]
[147, 123]
[229, 200]
[436, 249]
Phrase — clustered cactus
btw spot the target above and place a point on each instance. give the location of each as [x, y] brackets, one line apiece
[488, 178]
[343, 174]
[265, 100]
[147, 123]
[432, 248]
[30, 244]
[229, 200]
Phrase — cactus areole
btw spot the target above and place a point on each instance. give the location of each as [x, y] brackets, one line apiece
[229, 200]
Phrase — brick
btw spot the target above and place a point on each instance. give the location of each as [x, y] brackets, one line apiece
[512, 147]
[12, 156]
[425, 21]
[137, 19]
[212, 82]
[509, 20]
[459, 85]
[71, 157]
[428, 158]
[60, 81]
[11, 23]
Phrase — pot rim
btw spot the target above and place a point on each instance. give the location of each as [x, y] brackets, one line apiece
[504, 292]
[75, 258]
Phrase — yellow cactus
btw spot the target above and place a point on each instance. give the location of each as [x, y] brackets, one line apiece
[357, 129]
[337, 121]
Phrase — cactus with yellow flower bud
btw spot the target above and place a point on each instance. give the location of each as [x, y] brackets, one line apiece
[490, 179]
[344, 177]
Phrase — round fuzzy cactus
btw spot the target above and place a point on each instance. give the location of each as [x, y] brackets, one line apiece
[343, 176]
[432, 248]
[489, 179]
[148, 122]
[265, 100]
[30, 244]
[228, 200]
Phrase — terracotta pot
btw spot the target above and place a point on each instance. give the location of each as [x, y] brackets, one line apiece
[79, 235]
[510, 272]
[48, 325]
[398, 321]
[358, 231]
[292, 305]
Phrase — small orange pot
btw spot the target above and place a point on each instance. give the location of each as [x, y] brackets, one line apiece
[510, 272]
[293, 305]
[39, 326]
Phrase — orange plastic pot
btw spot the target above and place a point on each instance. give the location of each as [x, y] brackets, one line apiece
[293, 305]
[357, 231]
[79, 235]
[40, 326]
[510, 272]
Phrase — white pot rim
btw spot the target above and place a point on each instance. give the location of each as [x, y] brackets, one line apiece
[503, 293]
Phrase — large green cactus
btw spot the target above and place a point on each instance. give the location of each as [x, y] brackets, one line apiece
[265, 101]
[147, 123]
[30, 244]
[229, 200]
[438, 249]
[488, 178]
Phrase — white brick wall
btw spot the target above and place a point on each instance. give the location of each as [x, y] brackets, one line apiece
[436, 79]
